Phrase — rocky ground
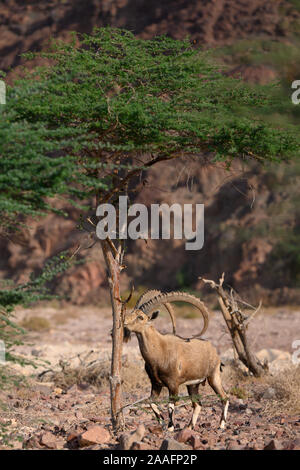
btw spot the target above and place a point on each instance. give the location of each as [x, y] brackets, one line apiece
[64, 403]
[241, 232]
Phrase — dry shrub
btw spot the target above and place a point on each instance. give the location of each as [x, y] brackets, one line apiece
[233, 374]
[286, 385]
[97, 374]
[239, 392]
[35, 323]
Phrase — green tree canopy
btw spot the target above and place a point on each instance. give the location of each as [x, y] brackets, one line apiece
[104, 99]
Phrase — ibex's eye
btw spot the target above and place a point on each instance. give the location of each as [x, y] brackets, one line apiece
[140, 317]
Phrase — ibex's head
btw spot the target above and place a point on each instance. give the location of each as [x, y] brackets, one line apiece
[137, 321]
[146, 310]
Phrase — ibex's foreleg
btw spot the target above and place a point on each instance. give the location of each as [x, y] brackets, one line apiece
[196, 404]
[155, 392]
[216, 384]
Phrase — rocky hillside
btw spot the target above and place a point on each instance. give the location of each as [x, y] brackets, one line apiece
[251, 214]
[26, 25]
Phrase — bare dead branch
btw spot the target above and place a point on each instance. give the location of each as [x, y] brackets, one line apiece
[250, 318]
[112, 246]
[237, 323]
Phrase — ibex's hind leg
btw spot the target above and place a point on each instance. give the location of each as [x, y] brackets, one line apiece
[216, 384]
[173, 397]
[196, 404]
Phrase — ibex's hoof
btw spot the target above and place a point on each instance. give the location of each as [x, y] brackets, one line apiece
[222, 425]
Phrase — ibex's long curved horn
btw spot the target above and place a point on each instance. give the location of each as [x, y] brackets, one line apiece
[153, 303]
[150, 294]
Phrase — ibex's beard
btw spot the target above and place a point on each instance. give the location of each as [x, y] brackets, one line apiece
[127, 335]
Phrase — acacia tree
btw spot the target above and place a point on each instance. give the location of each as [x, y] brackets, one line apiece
[107, 106]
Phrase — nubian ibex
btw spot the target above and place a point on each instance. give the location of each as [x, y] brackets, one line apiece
[171, 361]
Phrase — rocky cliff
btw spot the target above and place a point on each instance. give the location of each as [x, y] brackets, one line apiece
[251, 216]
[26, 25]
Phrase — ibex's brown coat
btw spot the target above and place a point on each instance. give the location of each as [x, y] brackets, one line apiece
[171, 361]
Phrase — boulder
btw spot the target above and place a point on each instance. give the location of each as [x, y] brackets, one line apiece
[94, 435]
[274, 444]
[171, 444]
[47, 439]
[126, 440]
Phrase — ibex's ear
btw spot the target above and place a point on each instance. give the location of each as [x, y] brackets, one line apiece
[154, 315]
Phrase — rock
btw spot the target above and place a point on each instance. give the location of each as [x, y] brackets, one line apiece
[278, 360]
[72, 435]
[293, 445]
[36, 352]
[243, 406]
[171, 444]
[271, 355]
[94, 435]
[270, 394]
[140, 446]
[184, 435]
[64, 406]
[206, 425]
[234, 446]
[44, 387]
[126, 440]
[96, 419]
[280, 365]
[274, 444]
[83, 386]
[238, 423]
[73, 440]
[257, 446]
[73, 390]
[47, 439]
[32, 443]
[156, 430]
[196, 443]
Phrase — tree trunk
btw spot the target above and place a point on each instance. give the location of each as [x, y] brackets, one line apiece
[233, 332]
[114, 269]
[239, 339]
